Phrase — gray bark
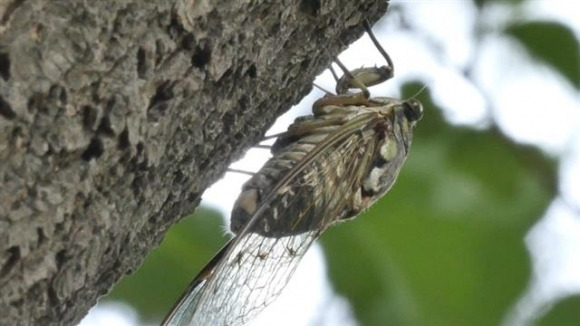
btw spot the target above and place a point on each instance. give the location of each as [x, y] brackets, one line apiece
[116, 115]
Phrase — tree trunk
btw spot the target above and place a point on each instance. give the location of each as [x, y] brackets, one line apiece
[116, 115]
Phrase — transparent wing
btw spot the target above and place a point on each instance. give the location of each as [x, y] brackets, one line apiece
[253, 275]
[249, 278]
[252, 269]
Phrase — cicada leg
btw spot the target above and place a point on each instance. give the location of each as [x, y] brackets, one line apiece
[367, 76]
[360, 78]
[322, 88]
[267, 147]
[391, 66]
[342, 99]
[240, 171]
[334, 74]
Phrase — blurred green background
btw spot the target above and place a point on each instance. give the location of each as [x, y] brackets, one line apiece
[446, 245]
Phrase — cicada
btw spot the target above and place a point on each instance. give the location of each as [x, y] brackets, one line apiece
[326, 168]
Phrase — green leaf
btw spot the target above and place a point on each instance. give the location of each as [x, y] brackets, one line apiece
[445, 245]
[168, 269]
[553, 43]
[565, 313]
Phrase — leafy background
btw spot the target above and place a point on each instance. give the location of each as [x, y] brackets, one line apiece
[447, 245]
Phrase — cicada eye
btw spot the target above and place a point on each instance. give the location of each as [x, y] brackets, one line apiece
[413, 110]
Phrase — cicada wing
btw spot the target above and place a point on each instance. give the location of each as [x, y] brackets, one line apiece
[250, 278]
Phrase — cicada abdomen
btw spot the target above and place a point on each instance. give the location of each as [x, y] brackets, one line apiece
[326, 168]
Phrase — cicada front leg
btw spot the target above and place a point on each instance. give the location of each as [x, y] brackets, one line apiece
[367, 76]
[360, 78]
[343, 99]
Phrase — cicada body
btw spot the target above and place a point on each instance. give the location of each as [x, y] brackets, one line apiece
[337, 162]
[326, 168]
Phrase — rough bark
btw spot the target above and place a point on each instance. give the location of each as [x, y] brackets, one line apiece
[116, 115]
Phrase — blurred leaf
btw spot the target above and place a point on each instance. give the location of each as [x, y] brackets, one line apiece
[552, 43]
[445, 246]
[168, 269]
[564, 313]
